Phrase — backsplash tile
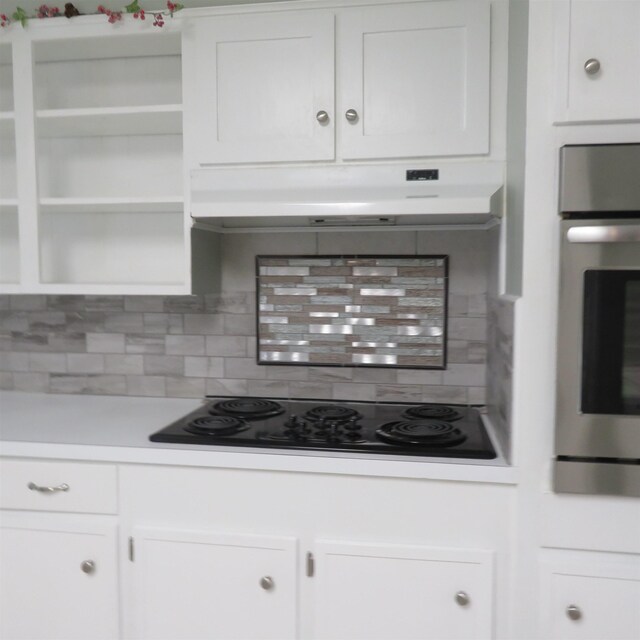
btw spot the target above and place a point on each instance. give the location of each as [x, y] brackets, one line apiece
[352, 310]
[177, 354]
[186, 346]
[500, 367]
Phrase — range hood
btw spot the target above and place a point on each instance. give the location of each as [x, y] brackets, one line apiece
[402, 195]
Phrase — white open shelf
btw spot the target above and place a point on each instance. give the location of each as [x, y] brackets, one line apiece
[110, 121]
[171, 204]
[154, 44]
[78, 247]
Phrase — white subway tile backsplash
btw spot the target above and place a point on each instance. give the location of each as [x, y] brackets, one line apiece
[32, 382]
[354, 391]
[243, 368]
[146, 386]
[123, 364]
[226, 346]
[48, 362]
[186, 387]
[85, 363]
[185, 345]
[206, 324]
[105, 342]
[203, 366]
[155, 365]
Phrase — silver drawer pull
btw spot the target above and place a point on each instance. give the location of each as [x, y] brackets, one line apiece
[61, 487]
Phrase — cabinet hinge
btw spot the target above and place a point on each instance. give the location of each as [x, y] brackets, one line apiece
[131, 550]
[311, 564]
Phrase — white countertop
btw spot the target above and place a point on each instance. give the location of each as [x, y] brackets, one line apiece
[117, 428]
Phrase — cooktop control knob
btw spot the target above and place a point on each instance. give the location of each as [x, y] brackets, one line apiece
[293, 422]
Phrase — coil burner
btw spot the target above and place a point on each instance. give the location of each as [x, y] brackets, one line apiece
[248, 408]
[432, 412]
[216, 426]
[426, 433]
[326, 413]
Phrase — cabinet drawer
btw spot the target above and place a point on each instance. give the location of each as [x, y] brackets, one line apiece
[58, 486]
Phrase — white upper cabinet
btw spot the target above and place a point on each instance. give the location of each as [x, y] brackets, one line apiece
[403, 80]
[414, 80]
[262, 87]
[598, 73]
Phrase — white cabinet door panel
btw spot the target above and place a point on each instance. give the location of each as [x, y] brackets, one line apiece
[44, 593]
[604, 599]
[413, 589]
[197, 584]
[418, 78]
[261, 80]
[607, 31]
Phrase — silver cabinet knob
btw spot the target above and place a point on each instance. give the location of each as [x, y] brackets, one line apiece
[88, 566]
[573, 612]
[267, 583]
[462, 598]
[592, 66]
[351, 115]
[322, 117]
[61, 487]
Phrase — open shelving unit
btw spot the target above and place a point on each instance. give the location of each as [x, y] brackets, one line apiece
[108, 115]
[97, 121]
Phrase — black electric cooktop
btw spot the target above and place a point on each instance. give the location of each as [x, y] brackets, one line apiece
[449, 431]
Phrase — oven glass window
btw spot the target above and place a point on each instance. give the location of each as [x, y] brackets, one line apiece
[611, 342]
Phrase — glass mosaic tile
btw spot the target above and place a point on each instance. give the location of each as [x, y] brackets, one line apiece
[354, 311]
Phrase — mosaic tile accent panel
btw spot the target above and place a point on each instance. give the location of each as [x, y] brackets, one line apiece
[353, 311]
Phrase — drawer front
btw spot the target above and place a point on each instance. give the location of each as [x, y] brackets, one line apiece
[58, 486]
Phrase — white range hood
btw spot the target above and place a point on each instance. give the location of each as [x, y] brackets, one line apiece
[408, 194]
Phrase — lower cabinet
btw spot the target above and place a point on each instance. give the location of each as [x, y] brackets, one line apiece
[200, 584]
[372, 591]
[590, 596]
[58, 577]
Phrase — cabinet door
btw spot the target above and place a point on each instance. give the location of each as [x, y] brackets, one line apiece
[46, 590]
[598, 60]
[590, 600]
[389, 592]
[196, 584]
[256, 85]
[417, 76]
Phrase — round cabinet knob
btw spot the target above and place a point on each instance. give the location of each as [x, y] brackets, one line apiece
[592, 66]
[573, 612]
[267, 583]
[462, 598]
[351, 115]
[322, 117]
[88, 566]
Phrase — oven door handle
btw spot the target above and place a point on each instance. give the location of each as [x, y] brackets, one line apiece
[605, 233]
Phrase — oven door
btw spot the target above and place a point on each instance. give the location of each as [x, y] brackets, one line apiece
[598, 385]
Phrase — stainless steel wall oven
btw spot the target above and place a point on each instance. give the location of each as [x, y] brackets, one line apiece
[598, 370]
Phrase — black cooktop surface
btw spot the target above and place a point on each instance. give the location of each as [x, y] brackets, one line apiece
[450, 431]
